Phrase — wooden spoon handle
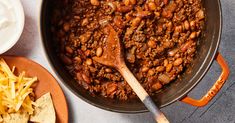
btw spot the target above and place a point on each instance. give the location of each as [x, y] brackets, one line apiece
[158, 115]
[142, 94]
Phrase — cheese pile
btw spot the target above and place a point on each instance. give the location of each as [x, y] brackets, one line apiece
[16, 94]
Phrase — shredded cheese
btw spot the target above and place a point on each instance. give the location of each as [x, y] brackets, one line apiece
[15, 91]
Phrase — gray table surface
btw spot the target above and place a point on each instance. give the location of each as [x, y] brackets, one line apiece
[220, 109]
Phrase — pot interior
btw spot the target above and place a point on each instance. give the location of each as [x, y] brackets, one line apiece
[174, 91]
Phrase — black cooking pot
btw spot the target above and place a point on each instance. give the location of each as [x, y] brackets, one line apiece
[207, 52]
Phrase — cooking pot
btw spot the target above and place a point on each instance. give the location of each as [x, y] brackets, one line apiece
[178, 90]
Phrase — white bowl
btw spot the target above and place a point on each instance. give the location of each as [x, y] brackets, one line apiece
[8, 40]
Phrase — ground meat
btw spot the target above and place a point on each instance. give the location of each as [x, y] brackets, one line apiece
[159, 39]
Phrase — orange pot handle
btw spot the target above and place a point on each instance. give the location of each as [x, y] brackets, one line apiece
[215, 88]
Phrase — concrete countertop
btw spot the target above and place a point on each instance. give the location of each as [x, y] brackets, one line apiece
[220, 109]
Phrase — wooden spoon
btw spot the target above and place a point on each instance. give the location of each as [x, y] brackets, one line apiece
[113, 57]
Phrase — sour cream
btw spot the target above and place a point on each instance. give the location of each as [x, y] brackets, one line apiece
[7, 20]
[11, 22]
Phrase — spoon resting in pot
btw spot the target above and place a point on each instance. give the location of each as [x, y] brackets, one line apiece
[113, 57]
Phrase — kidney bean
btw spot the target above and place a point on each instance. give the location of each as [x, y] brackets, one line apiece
[191, 1]
[66, 59]
[126, 2]
[61, 33]
[169, 26]
[198, 33]
[66, 27]
[178, 61]
[167, 14]
[173, 52]
[160, 68]
[178, 29]
[108, 70]
[133, 2]
[191, 50]
[130, 57]
[159, 30]
[145, 69]
[87, 53]
[86, 78]
[92, 69]
[133, 50]
[186, 45]
[156, 86]
[167, 44]
[152, 44]
[79, 76]
[169, 67]
[192, 25]
[165, 62]
[129, 16]
[165, 79]
[135, 22]
[95, 2]
[156, 62]
[193, 35]
[78, 60]
[151, 72]
[85, 37]
[200, 15]
[77, 17]
[157, 14]
[99, 51]
[68, 49]
[177, 55]
[112, 6]
[186, 25]
[172, 6]
[85, 21]
[175, 35]
[89, 61]
[152, 6]
[165, 2]
[112, 87]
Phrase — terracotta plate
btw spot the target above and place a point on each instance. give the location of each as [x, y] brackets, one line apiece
[46, 83]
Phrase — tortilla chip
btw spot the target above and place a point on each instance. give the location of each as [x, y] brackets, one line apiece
[44, 111]
[16, 118]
